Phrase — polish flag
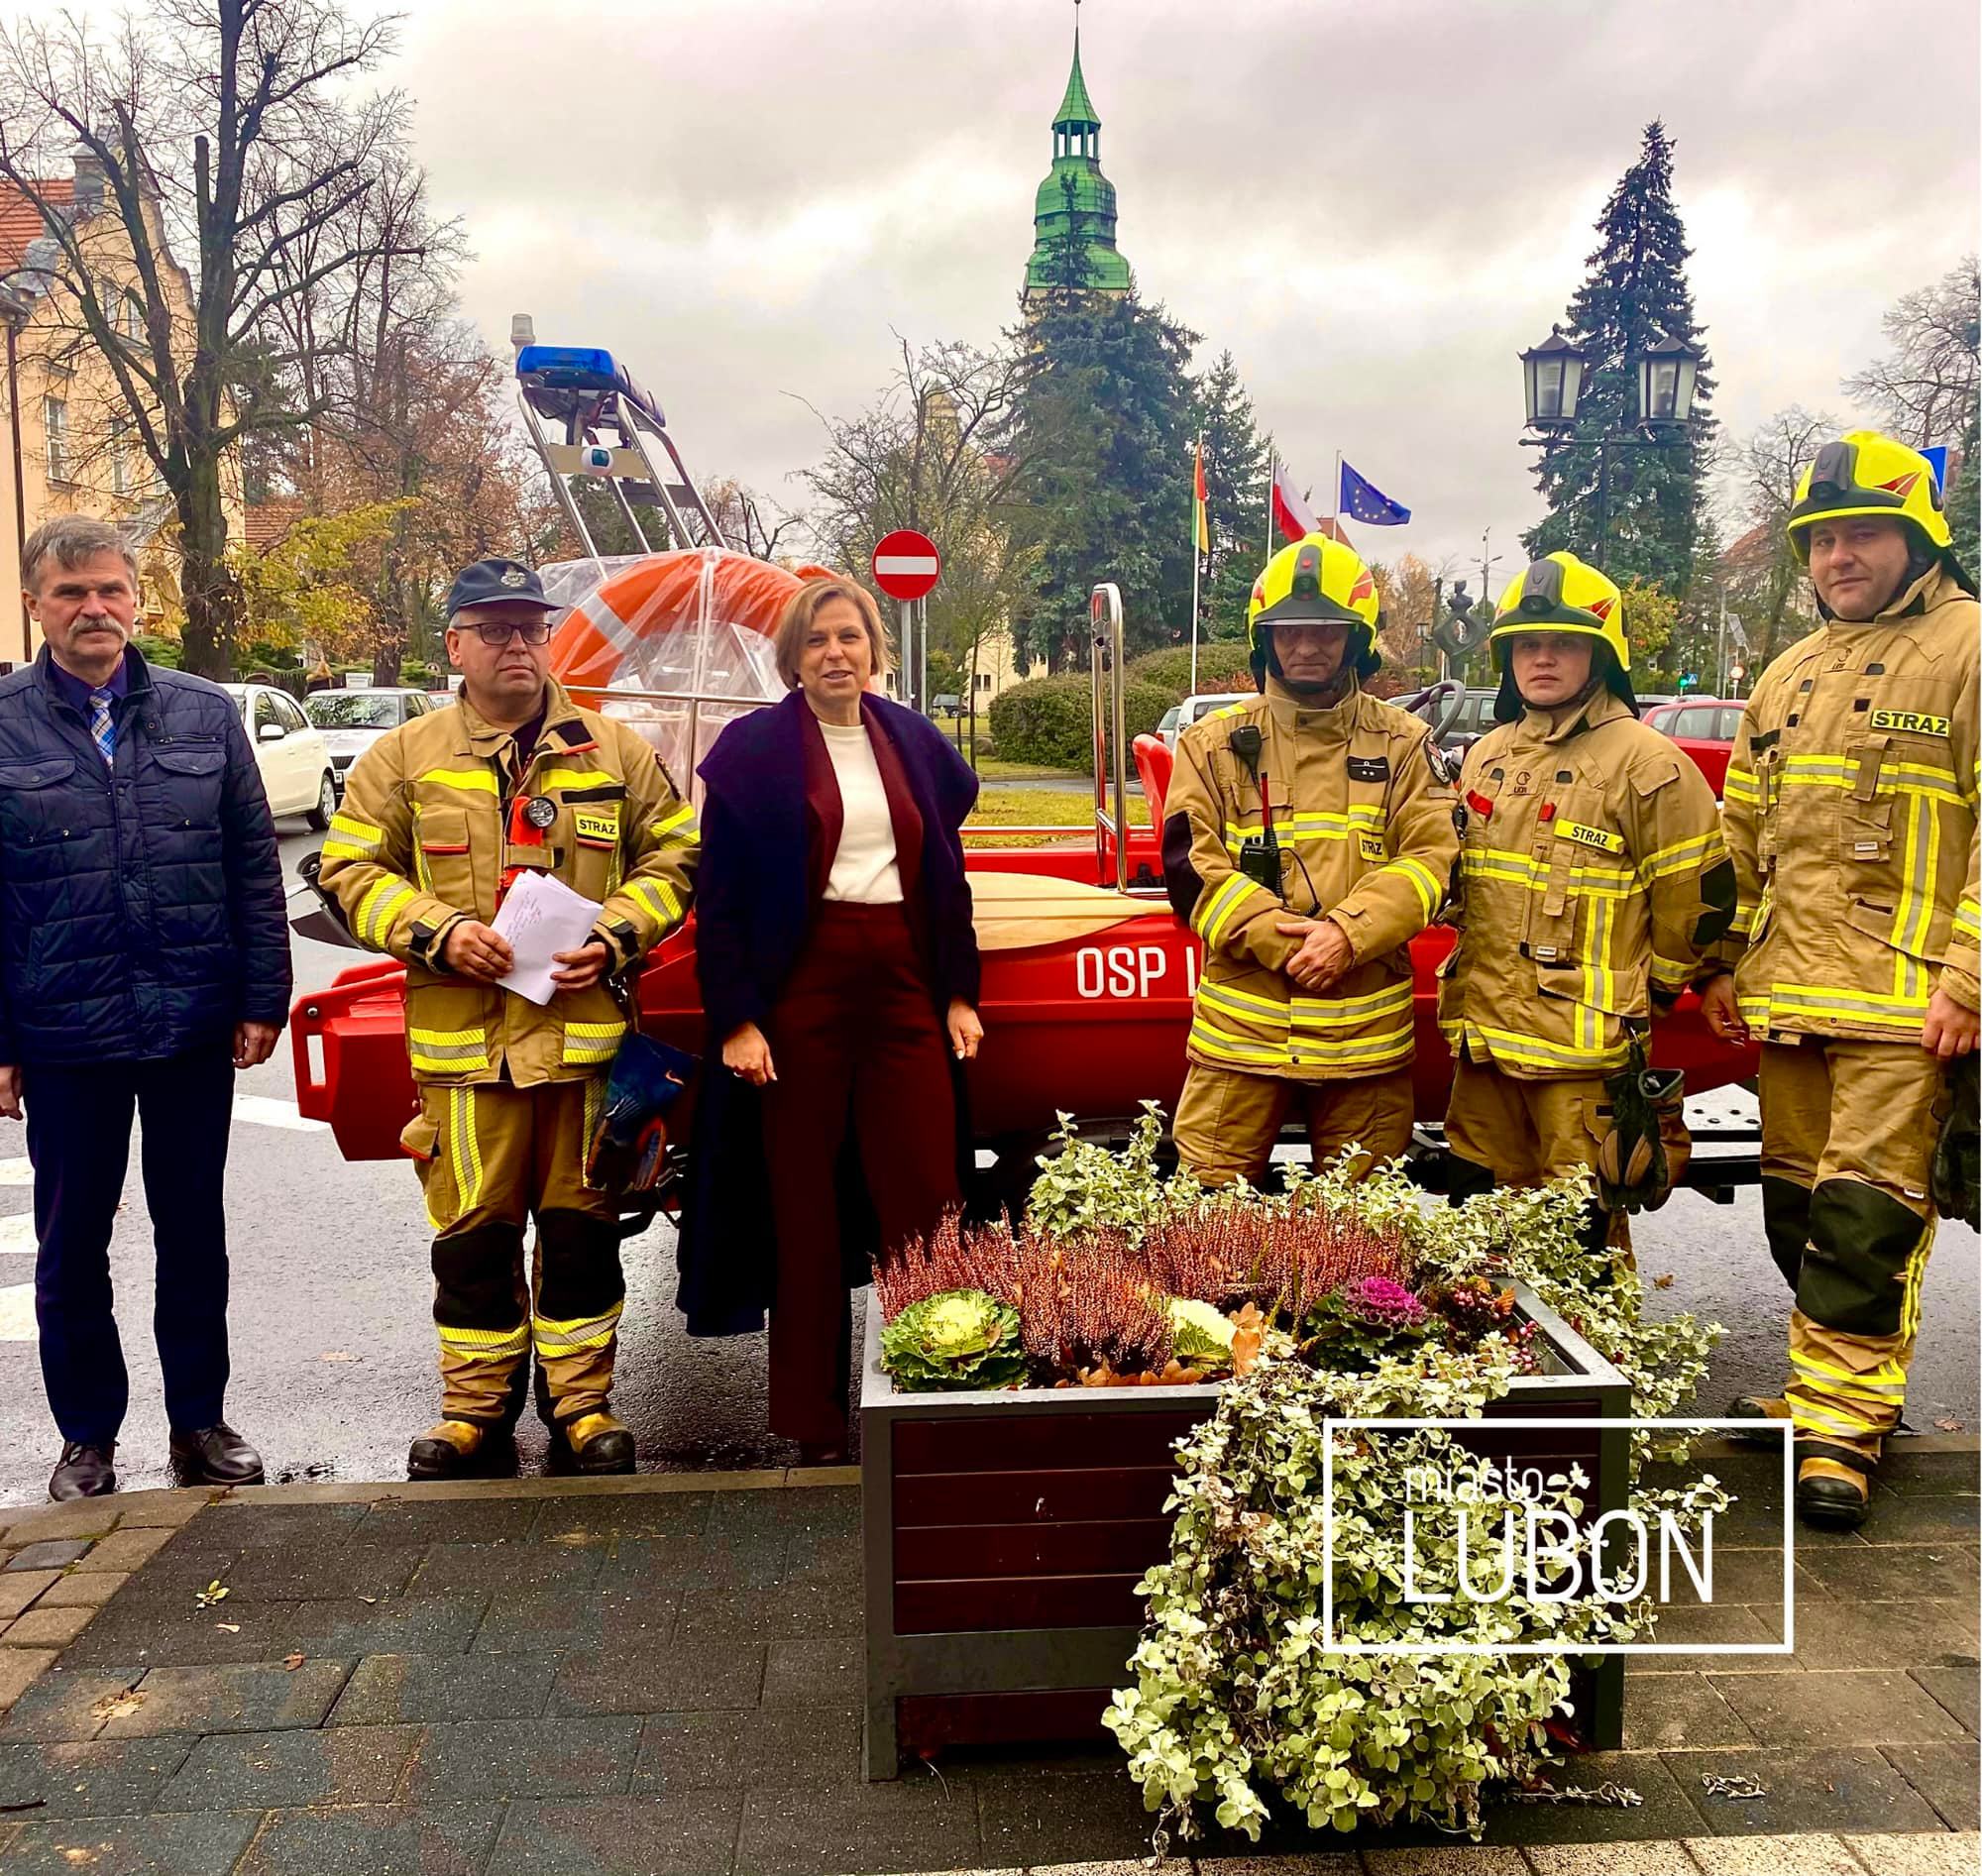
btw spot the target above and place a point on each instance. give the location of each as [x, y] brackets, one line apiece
[1291, 514]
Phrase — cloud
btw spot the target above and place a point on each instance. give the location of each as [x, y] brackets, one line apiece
[1376, 208]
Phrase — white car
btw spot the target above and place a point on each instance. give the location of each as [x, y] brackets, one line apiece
[290, 752]
[1181, 716]
[353, 721]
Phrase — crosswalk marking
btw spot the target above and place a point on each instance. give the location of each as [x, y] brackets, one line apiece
[260, 1110]
[18, 1233]
[17, 1314]
[19, 1171]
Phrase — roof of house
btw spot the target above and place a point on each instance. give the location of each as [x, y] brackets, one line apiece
[21, 220]
[263, 523]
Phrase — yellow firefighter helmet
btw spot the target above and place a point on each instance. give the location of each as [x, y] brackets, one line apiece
[1864, 473]
[1561, 593]
[1317, 577]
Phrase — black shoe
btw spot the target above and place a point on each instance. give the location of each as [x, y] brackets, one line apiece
[215, 1456]
[595, 1446]
[83, 1471]
[1830, 1495]
[459, 1449]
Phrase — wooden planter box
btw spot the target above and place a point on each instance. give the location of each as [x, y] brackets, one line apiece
[1005, 1533]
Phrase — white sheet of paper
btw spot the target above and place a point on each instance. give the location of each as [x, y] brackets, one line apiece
[540, 917]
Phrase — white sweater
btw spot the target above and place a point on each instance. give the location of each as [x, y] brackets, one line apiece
[864, 872]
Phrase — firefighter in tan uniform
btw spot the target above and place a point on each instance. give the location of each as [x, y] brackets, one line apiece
[1851, 819]
[1307, 838]
[1591, 881]
[438, 817]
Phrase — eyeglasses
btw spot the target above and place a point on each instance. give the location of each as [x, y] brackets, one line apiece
[536, 632]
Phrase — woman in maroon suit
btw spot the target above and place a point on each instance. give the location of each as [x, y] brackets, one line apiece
[839, 970]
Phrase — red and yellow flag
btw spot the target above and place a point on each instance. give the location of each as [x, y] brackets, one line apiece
[1200, 518]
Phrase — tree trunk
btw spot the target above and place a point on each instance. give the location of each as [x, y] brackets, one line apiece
[207, 584]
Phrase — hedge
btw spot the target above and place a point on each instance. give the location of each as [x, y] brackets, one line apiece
[1221, 666]
[1050, 720]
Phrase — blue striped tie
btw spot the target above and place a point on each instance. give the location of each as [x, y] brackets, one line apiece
[103, 726]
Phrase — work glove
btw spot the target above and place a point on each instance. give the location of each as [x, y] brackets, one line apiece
[1634, 1172]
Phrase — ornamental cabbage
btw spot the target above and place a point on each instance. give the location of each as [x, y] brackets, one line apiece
[957, 1339]
[1204, 1334]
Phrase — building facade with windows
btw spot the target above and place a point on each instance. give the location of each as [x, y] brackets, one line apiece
[72, 442]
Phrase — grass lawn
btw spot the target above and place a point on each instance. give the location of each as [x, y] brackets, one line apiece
[991, 768]
[1070, 807]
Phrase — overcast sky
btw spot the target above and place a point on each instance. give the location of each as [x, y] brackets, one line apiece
[1375, 205]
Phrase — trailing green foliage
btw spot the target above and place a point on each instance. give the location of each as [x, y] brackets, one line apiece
[960, 1338]
[1236, 1701]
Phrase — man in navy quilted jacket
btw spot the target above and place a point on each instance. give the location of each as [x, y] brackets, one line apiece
[143, 958]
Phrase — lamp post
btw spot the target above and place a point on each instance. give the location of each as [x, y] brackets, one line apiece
[1555, 373]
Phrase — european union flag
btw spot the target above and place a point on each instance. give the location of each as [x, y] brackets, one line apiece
[1364, 501]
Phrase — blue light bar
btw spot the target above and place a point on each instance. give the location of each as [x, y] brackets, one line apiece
[584, 368]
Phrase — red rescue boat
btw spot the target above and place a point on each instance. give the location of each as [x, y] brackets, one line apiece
[1087, 979]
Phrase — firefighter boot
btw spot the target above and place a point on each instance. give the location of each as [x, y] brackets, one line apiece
[594, 1444]
[1766, 1407]
[447, 1451]
[1831, 1495]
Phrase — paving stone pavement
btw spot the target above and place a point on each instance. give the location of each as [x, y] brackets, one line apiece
[663, 1675]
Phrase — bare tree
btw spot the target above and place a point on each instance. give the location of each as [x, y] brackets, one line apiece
[927, 455]
[1924, 390]
[224, 134]
[750, 522]
[1762, 581]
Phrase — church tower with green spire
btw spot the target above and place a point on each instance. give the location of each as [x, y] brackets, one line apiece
[1077, 162]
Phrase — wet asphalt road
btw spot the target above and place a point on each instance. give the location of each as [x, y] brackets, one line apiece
[333, 1343]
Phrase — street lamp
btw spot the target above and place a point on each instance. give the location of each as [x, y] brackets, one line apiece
[1666, 374]
[1554, 374]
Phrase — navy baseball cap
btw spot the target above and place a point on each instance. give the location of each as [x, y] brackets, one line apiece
[488, 580]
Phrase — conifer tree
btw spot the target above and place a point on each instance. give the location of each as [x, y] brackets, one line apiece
[1102, 429]
[1235, 471]
[1635, 293]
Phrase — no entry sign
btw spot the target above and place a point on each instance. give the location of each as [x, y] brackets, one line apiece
[905, 564]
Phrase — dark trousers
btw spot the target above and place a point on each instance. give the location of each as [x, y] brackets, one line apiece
[79, 1138]
[855, 1043]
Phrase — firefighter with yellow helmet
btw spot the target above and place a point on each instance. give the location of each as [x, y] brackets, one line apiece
[1307, 838]
[1592, 883]
[1851, 819]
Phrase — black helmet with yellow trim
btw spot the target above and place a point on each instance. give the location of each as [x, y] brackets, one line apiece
[1865, 472]
[1316, 578]
[1561, 593]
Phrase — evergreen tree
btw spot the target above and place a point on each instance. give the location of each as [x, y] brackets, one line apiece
[1636, 294]
[1963, 485]
[1102, 434]
[1235, 476]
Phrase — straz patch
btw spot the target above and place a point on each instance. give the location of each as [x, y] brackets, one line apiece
[1372, 847]
[1590, 836]
[1911, 719]
[1369, 768]
[596, 827]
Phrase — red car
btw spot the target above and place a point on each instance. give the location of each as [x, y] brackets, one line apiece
[1705, 728]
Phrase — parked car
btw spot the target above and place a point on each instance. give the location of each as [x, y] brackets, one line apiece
[1181, 716]
[1706, 728]
[1475, 719]
[353, 721]
[290, 752]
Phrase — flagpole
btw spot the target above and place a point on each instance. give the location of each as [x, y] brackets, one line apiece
[1335, 507]
[1196, 554]
[1272, 470]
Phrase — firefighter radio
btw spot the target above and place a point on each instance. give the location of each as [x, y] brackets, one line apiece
[1260, 858]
